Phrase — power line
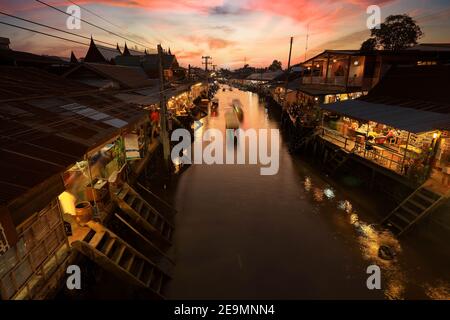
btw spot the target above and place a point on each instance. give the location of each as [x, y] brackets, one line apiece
[104, 19]
[87, 114]
[206, 63]
[91, 24]
[43, 33]
[56, 29]
[95, 14]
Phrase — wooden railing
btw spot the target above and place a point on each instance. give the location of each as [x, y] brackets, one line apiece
[393, 161]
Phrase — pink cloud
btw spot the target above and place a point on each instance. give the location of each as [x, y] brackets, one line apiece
[191, 5]
[321, 13]
[218, 43]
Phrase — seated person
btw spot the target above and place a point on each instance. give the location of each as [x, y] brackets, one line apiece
[391, 136]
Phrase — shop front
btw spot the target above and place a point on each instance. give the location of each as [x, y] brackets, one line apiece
[398, 143]
[87, 182]
[181, 104]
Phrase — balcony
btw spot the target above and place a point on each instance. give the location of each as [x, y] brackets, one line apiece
[335, 81]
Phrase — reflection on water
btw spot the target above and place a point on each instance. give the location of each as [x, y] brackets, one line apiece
[329, 193]
[440, 291]
[307, 183]
[241, 201]
[370, 239]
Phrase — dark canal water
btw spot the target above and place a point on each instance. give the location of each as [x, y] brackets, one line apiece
[291, 235]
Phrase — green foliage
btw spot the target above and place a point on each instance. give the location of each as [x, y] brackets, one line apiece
[369, 45]
[397, 32]
[276, 65]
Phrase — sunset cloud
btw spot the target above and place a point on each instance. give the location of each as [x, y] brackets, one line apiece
[217, 43]
[231, 31]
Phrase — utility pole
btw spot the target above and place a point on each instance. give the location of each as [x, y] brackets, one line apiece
[189, 73]
[214, 67]
[206, 58]
[287, 73]
[163, 114]
[307, 38]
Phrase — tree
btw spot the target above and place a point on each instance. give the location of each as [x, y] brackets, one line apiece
[397, 32]
[276, 65]
[369, 45]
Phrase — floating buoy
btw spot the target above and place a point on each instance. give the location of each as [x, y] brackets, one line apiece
[386, 253]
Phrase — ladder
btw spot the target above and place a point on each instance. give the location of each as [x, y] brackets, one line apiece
[415, 207]
[163, 206]
[116, 256]
[142, 212]
[336, 160]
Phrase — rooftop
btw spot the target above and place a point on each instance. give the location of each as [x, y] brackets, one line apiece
[127, 77]
[416, 87]
[20, 82]
[41, 136]
[412, 98]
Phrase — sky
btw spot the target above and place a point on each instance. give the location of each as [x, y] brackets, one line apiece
[232, 32]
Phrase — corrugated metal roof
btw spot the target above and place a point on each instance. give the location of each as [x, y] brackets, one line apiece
[416, 87]
[40, 137]
[17, 82]
[415, 121]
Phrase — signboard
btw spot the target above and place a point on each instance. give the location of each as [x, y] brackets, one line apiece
[132, 146]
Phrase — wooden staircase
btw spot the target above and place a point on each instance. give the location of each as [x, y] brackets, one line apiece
[335, 161]
[116, 256]
[144, 214]
[159, 204]
[415, 207]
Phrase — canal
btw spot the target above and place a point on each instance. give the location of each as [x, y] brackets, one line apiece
[292, 235]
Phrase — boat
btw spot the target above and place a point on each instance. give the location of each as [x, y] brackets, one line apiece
[231, 121]
[237, 107]
[204, 103]
[214, 104]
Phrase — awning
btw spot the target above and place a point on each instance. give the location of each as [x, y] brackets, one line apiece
[412, 120]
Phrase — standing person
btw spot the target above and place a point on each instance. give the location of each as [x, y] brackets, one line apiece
[154, 118]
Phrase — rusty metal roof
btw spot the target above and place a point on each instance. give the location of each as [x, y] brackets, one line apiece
[42, 136]
[18, 82]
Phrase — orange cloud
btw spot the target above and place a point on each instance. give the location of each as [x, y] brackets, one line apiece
[217, 43]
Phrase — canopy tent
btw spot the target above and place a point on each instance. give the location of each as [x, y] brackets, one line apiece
[412, 120]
